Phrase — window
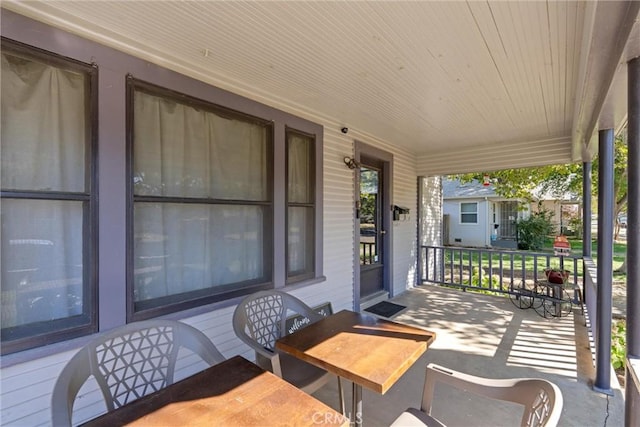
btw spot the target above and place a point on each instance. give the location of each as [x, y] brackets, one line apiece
[202, 202]
[48, 204]
[469, 213]
[300, 206]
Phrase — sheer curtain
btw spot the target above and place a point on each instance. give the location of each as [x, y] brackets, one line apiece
[43, 150]
[181, 151]
[301, 199]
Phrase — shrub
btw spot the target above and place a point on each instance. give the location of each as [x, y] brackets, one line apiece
[533, 231]
[618, 345]
[487, 282]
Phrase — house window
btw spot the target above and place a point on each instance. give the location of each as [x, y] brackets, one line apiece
[202, 202]
[48, 198]
[469, 213]
[301, 206]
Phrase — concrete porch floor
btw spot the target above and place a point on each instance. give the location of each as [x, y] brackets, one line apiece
[488, 336]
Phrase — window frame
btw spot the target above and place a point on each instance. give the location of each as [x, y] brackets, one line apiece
[207, 295]
[292, 278]
[87, 322]
[462, 214]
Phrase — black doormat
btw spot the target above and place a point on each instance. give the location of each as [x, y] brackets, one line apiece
[385, 309]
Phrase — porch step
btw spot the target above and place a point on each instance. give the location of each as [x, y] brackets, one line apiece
[373, 299]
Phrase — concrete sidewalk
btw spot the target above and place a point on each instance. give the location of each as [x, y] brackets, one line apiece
[488, 336]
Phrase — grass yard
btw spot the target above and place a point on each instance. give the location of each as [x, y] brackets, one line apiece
[531, 262]
[619, 253]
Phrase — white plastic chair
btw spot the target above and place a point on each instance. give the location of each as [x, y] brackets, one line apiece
[542, 400]
[259, 320]
[128, 363]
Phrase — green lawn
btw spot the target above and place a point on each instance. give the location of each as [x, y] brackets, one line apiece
[619, 252]
[465, 257]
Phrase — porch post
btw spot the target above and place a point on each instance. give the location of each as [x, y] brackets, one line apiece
[632, 401]
[605, 261]
[586, 209]
[420, 221]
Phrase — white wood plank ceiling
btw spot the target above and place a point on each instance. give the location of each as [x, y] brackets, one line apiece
[464, 86]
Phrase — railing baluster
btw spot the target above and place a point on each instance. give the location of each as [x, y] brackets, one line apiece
[470, 266]
[480, 254]
[501, 275]
[451, 261]
[442, 265]
[460, 267]
[490, 270]
[512, 268]
[426, 263]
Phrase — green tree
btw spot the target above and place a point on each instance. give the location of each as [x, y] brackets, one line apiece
[559, 179]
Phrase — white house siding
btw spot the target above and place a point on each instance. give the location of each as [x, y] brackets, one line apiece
[431, 208]
[468, 234]
[405, 239]
[25, 388]
[338, 223]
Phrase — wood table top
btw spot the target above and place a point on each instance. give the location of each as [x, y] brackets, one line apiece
[235, 392]
[364, 349]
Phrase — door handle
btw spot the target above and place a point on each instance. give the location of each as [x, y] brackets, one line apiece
[383, 231]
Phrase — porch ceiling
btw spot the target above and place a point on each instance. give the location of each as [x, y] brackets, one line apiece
[465, 86]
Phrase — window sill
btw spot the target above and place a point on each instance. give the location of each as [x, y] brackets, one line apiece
[40, 352]
[304, 283]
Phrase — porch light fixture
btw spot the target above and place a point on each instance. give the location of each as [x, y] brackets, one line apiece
[485, 180]
[351, 163]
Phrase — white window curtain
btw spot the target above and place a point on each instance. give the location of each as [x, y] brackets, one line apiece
[43, 126]
[301, 200]
[43, 150]
[181, 151]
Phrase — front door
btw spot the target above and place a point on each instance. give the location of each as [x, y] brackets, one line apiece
[372, 216]
[508, 220]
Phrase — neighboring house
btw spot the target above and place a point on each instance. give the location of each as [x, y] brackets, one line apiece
[474, 215]
[565, 207]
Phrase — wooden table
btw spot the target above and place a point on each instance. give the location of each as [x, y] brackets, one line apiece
[232, 393]
[364, 349]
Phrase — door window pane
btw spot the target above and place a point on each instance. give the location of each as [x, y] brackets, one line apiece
[369, 216]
